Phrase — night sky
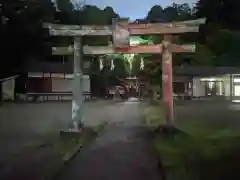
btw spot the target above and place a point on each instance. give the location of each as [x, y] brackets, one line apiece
[134, 9]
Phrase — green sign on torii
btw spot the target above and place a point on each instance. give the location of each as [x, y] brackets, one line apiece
[121, 30]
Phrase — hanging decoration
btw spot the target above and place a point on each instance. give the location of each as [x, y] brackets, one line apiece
[101, 63]
[142, 64]
[112, 65]
[129, 58]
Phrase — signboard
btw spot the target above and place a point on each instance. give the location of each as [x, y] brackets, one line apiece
[121, 34]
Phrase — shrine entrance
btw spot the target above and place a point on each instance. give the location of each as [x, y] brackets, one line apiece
[121, 30]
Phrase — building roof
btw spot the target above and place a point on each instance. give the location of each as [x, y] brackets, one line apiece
[49, 67]
[205, 71]
[7, 75]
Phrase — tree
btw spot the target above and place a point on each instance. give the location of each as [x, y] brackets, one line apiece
[121, 67]
[176, 12]
[222, 12]
[65, 13]
[203, 56]
[225, 45]
[221, 35]
[110, 14]
[169, 14]
[155, 14]
[93, 15]
[22, 33]
[136, 65]
[184, 12]
[64, 6]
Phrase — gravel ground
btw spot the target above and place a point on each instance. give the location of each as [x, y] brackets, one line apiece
[24, 124]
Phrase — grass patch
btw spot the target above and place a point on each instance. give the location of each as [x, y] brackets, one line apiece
[198, 150]
[200, 156]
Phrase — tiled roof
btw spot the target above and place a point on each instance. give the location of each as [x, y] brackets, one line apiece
[49, 67]
[205, 71]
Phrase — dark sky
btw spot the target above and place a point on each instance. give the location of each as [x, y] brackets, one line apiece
[134, 9]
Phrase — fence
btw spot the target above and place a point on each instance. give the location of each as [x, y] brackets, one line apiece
[54, 86]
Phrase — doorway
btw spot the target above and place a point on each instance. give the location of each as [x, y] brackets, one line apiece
[214, 88]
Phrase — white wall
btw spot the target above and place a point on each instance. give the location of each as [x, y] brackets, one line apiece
[198, 87]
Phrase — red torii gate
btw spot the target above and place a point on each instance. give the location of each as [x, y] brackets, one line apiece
[121, 30]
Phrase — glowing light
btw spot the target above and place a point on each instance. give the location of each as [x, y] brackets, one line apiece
[237, 80]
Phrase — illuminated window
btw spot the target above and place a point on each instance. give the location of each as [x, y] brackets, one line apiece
[237, 90]
[237, 80]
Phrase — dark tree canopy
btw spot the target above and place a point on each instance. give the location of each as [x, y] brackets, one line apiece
[22, 33]
[222, 12]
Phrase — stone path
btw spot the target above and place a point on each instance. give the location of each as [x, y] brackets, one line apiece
[123, 152]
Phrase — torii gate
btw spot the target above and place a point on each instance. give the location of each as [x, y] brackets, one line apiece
[121, 30]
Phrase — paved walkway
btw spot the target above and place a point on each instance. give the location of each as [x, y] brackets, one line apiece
[123, 152]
